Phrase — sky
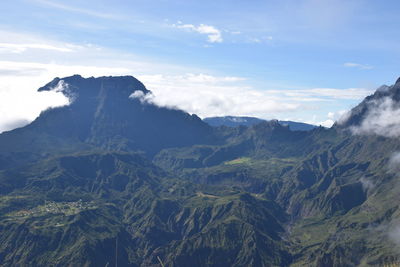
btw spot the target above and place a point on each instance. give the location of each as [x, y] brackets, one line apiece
[301, 60]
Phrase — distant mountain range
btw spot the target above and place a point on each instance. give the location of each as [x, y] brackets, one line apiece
[234, 121]
[114, 180]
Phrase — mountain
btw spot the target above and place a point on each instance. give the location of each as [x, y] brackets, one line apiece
[102, 114]
[234, 121]
[114, 180]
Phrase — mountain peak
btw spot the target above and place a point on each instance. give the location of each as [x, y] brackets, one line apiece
[78, 87]
[398, 81]
[104, 113]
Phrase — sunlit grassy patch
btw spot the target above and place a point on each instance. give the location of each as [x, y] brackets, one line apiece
[243, 160]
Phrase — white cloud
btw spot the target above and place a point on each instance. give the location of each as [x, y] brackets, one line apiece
[19, 48]
[214, 35]
[358, 66]
[331, 115]
[344, 115]
[327, 123]
[142, 97]
[208, 95]
[19, 107]
[331, 118]
[383, 118]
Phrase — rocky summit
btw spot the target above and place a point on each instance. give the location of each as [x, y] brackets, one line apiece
[112, 179]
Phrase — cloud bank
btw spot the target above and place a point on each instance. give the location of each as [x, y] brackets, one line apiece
[25, 106]
[207, 95]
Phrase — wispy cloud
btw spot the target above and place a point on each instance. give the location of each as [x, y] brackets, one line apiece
[89, 12]
[19, 48]
[358, 66]
[394, 163]
[327, 93]
[260, 40]
[214, 35]
[367, 183]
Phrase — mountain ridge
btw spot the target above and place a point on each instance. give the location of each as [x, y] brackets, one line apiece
[235, 121]
[112, 178]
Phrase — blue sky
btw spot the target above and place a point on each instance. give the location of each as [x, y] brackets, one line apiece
[305, 60]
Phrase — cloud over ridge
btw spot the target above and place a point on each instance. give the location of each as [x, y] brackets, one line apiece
[382, 118]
